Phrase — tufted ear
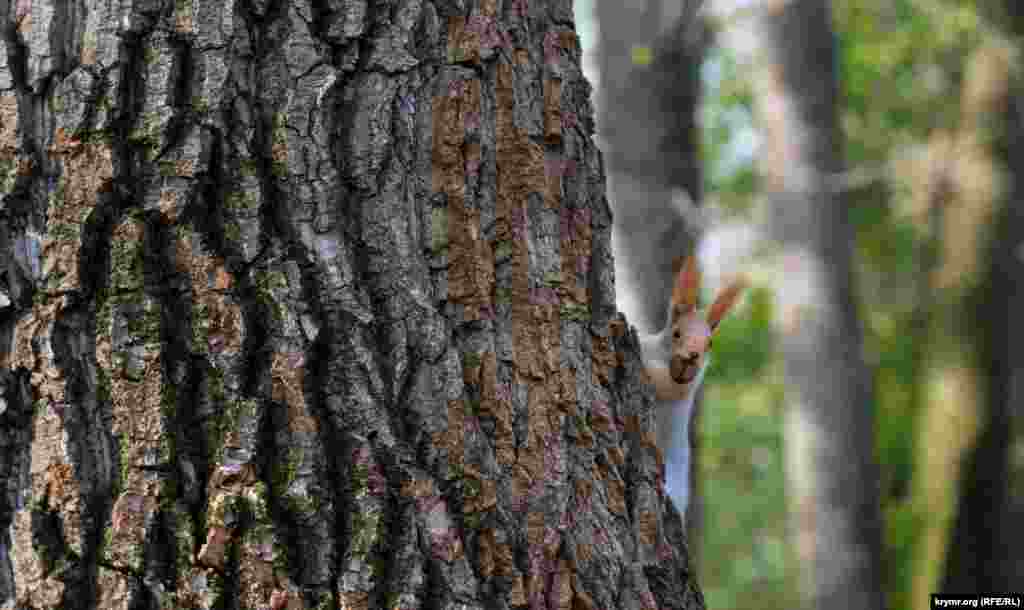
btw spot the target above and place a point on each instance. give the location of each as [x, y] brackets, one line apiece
[724, 301]
[684, 294]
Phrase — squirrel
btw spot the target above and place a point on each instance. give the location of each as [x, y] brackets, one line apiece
[675, 360]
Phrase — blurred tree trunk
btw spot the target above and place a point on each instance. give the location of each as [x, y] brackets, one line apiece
[960, 478]
[311, 305]
[650, 60]
[647, 101]
[1007, 332]
[830, 435]
[984, 552]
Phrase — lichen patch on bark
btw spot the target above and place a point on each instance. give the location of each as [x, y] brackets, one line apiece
[36, 587]
[217, 326]
[10, 159]
[463, 42]
[53, 490]
[288, 374]
[87, 171]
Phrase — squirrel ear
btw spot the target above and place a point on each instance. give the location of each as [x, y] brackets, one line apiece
[677, 264]
[687, 286]
[725, 300]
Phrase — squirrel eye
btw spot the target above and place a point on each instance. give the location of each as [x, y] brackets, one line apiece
[676, 334]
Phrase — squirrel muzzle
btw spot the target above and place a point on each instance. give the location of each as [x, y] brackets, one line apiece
[683, 370]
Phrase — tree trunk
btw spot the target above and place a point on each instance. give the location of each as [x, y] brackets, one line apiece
[984, 551]
[983, 554]
[311, 305]
[648, 100]
[830, 431]
[650, 59]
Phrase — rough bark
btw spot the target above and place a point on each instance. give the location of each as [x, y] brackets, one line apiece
[830, 436]
[310, 305]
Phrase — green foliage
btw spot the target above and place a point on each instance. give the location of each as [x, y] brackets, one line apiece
[726, 117]
[903, 528]
[743, 537]
[743, 556]
[900, 71]
[742, 345]
[894, 386]
[917, 48]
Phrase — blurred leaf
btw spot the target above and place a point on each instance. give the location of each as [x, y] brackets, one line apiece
[641, 55]
[742, 344]
[900, 65]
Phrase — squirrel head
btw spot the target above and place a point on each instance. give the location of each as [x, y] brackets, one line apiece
[691, 332]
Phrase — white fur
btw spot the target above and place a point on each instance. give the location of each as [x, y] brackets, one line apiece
[657, 348]
[673, 417]
[674, 439]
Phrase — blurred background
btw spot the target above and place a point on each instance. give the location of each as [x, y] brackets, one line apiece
[861, 160]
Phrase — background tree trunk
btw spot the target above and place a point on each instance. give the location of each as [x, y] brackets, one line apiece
[1007, 328]
[984, 554]
[650, 58]
[830, 435]
[310, 305]
[649, 92]
[983, 551]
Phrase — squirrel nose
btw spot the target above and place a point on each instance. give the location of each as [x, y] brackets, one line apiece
[696, 347]
[676, 368]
